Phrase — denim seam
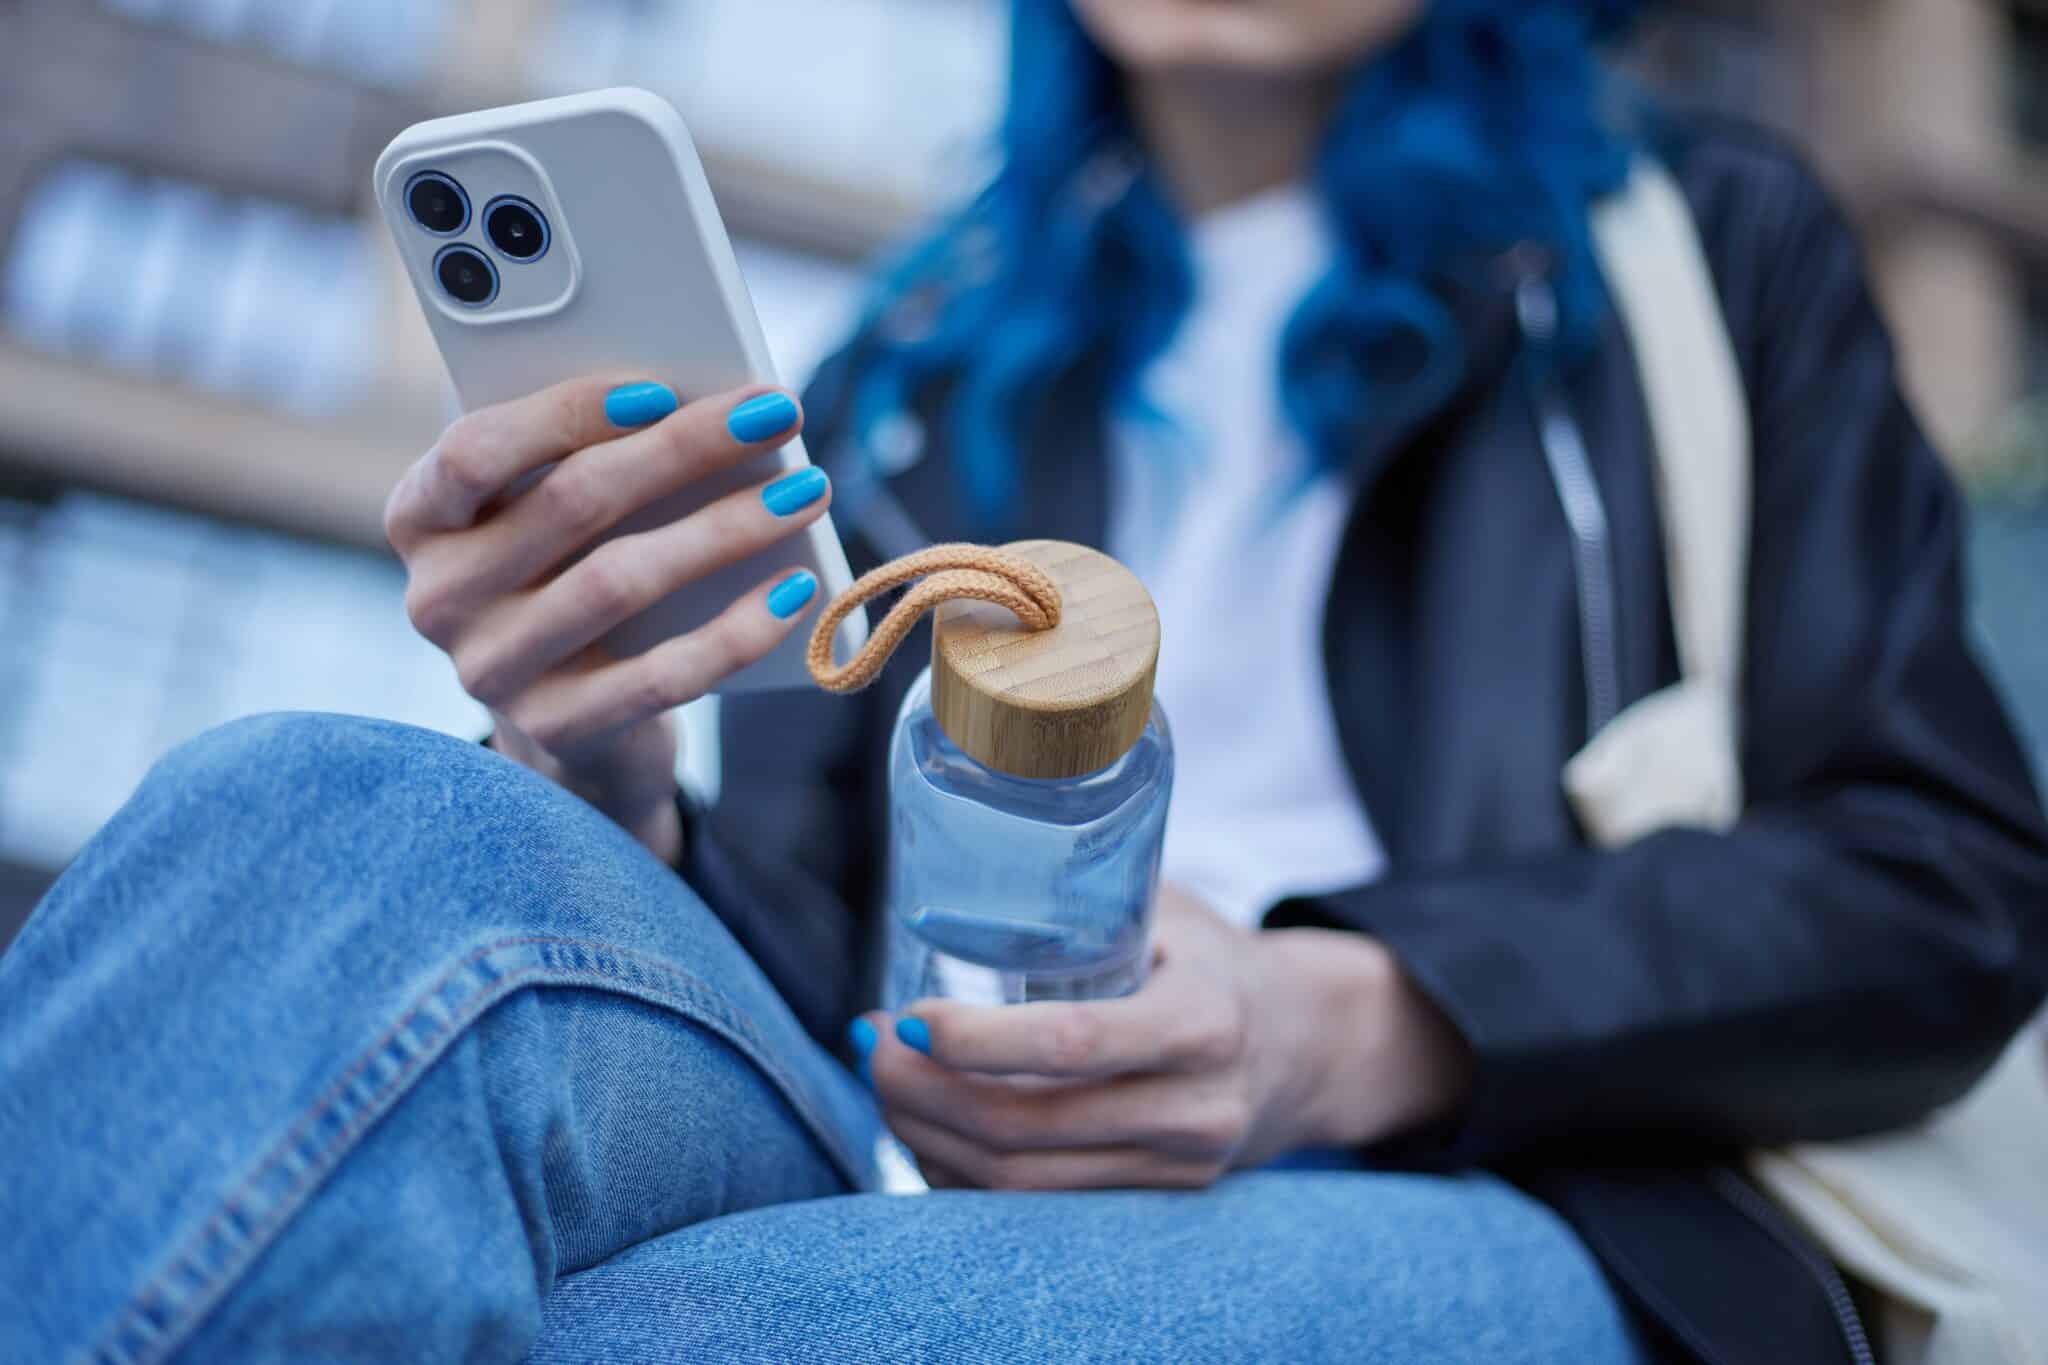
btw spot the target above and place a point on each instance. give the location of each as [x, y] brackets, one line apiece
[167, 1308]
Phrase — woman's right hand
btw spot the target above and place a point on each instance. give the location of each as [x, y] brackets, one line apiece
[507, 583]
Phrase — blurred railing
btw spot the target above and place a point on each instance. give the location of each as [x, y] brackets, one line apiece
[176, 216]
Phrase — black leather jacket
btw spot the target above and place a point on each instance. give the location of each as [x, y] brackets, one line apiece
[1851, 956]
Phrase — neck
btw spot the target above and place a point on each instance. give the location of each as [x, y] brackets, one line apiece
[1221, 139]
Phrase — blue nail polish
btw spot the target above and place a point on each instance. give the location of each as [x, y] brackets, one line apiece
[863, 1036]
[915, 1033]
[795, 492]
[790, 596]
[757, 419]
[635, 405]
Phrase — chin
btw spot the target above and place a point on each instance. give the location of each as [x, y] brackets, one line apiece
[1244, 37]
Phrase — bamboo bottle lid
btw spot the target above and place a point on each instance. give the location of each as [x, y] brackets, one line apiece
[1057, 703]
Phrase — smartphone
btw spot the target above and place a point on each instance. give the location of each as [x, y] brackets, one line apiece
[570, 236]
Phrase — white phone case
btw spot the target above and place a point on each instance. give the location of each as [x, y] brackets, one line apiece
[637, 274]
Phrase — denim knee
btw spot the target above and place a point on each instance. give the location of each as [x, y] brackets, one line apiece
[303, 767]
[348, 789]
[292, 754]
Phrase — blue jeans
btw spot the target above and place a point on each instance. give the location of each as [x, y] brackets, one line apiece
[346, 1041]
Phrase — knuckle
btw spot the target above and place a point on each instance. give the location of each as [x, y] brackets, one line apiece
[522, 716]
[479, 675]
[540, 724]
[717, 652]
[397, 522]
[1218, 1128]
[604, 585]
[653, 688]
[564, 414]
[552, 736]
[464, 456]
[575, 503]
[730, 527]
[1073, 1040]
[1217, 1041]
[735, 641]
[679, 442]
[432, 610]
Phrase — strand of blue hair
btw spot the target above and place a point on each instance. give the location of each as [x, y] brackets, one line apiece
[1482, 129]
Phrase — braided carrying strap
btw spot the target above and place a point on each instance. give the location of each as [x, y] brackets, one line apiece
[949, 572]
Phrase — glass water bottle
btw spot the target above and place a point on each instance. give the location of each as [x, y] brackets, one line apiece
[1029, 774]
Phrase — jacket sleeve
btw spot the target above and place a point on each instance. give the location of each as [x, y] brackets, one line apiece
[786, 858]
[1859, 947]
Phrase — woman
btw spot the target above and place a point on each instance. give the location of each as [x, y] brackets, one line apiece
[345, 1041]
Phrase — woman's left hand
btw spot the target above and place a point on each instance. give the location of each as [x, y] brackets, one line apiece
[1240, 1047]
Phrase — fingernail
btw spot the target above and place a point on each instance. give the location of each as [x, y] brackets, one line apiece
[788, 597]
[862, 1033]
[635, 405]
[915, 1033]
[794, 492]
[757, 419]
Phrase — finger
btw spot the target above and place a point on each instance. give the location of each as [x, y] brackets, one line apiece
[1195, 1118]
[595, 489]
[579, 707]
[531, 634]
[1097, 1168]
[1177, 1022]
[488, 450]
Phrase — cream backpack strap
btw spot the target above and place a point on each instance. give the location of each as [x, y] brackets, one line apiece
[1946, 1221]
[1671, 759]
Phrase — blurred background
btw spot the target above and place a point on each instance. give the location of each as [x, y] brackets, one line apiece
[212, 371]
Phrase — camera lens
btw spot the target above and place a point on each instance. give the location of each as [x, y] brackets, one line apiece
[516, 228]
[469, 279]
[437, 203]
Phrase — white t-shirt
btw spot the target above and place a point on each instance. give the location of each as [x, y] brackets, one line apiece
[1262, 804]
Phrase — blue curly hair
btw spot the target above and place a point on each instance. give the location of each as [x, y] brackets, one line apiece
[1481, 129]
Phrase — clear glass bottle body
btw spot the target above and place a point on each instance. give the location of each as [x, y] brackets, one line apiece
[1008, 889]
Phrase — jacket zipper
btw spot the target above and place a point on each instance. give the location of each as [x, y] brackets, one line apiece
[1761, 1211]
[1571, 473]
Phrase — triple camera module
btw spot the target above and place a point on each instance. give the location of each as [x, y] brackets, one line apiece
[515, 229]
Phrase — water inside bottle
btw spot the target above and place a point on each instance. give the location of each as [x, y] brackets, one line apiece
[993, 959]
